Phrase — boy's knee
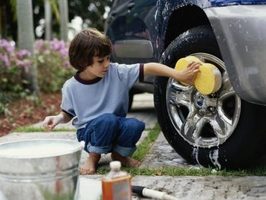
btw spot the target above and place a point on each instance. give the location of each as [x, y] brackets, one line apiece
[137, 125]
[141, 126]
[133, 128]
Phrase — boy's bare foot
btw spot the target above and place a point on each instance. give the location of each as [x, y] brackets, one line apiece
[125, 161]
[90, 165]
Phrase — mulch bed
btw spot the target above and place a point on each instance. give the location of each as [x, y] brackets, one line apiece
[25, 112]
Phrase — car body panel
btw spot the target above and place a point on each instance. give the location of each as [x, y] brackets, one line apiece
[131, 27]
[139, 30]
[242, 41]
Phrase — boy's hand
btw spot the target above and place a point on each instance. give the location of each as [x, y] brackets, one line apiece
[188, 75]
[51, 121]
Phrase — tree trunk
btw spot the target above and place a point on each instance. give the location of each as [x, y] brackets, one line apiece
[63, 7]
[48, 18]
[26, 38]
[2, 21]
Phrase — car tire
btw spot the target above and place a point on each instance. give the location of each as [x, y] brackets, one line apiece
[227, 133]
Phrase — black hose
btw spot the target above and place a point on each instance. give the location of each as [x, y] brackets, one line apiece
[138, 190]
[154, 194]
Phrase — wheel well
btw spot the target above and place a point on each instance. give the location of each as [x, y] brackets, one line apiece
[183, 19]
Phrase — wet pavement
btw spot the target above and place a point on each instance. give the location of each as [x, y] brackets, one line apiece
[162, 155]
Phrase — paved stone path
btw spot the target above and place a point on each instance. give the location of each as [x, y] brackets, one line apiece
[162, 154]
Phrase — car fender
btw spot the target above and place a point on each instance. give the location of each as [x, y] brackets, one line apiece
[243, 53]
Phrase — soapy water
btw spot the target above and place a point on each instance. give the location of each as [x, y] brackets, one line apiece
[36, 149]
[213, 155]
[195, 155]
[195, 152]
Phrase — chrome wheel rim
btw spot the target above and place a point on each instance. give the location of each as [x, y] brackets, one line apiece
[204, 121]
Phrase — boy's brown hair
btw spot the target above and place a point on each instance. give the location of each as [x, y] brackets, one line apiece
[87, 44]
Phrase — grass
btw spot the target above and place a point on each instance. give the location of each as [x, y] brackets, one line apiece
[145, 145]
[184, 171]
[31, 129]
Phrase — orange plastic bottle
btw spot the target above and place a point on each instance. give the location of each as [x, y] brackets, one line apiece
[116, 185]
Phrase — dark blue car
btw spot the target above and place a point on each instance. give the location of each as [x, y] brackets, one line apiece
[226, 129]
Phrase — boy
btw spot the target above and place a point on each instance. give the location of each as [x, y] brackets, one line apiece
[97, 98]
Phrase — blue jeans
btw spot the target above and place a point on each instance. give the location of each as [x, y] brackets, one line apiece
[108, 133]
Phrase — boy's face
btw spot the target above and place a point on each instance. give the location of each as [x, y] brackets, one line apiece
[99, 66]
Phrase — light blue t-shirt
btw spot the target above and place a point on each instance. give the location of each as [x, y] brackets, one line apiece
[86, 100]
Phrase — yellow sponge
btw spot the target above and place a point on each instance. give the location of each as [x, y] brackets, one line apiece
[208, 79]
[182, 63]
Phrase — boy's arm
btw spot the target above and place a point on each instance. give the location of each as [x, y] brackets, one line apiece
[187, 76]
[51, 121]
[65, 117]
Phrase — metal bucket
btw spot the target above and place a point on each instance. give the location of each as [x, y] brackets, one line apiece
[39, 169]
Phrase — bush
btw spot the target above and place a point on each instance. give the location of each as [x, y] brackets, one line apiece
[53, 68]
[52, 64]
[13, 65]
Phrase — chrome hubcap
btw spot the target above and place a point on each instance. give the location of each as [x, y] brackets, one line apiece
[203, 121]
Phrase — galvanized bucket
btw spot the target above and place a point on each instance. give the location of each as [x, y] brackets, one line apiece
[39, 169]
